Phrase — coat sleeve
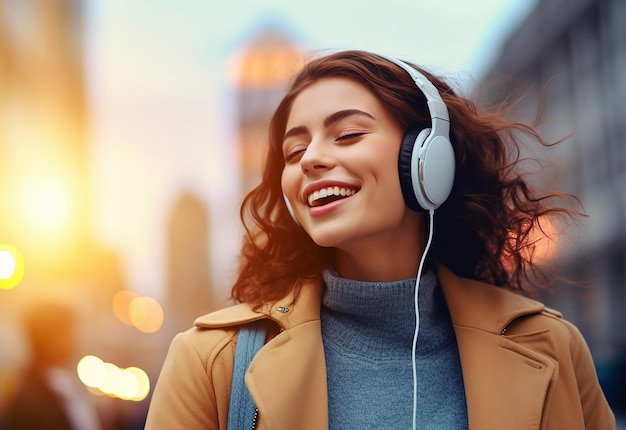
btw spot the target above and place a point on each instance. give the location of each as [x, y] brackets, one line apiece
[187, 394]
[596, 410]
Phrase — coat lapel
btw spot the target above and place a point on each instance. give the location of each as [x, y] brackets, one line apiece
[506, 383]
[287, 378]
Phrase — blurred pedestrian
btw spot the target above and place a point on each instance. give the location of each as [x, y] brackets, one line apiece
[47, 393]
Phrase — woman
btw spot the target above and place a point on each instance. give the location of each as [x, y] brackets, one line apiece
[340, 232]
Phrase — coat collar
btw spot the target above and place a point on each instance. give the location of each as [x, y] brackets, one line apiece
[506, 380]
[464, 296]
[498, 306]
[287, 312]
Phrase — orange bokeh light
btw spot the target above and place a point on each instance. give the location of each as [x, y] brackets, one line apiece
[142, 312]
[146, 314]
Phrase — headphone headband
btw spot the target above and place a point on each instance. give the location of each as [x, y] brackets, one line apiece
[436, 107]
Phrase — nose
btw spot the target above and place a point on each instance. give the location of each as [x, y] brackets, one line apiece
[316, 158]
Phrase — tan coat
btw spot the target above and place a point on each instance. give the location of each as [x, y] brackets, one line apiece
[524, 367]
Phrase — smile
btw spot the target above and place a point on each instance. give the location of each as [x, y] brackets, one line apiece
[328, 195]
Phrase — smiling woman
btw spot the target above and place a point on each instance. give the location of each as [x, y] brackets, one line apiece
[339, 135]
[389, 208]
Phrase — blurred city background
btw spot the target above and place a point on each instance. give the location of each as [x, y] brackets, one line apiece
[130, 131]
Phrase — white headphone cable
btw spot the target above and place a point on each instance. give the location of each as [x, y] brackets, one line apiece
[431, 217]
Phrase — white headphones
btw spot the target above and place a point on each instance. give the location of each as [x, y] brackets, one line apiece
[426, 161]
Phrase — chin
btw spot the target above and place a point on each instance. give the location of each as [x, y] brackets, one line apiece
[327, 238]
[325, 241]
[336, 236]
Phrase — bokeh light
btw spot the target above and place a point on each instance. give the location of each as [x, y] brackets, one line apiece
[121, 305]
[146, 314]
[143, 382]
[11, 267]
[142, 312]
[7, 264]
[131, 383]
[91, 371]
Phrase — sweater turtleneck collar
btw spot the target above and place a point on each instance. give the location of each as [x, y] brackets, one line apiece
[377, 319]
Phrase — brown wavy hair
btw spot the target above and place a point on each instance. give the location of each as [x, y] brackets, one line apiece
[483, 231]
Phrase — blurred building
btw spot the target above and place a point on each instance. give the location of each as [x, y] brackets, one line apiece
[189, 287]
[258, 73]
[262, 70]
[578, 48]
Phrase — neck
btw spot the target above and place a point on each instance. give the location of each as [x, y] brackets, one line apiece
[381, 262]
[378, 318]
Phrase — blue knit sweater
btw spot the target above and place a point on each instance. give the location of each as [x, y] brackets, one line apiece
[367, 329]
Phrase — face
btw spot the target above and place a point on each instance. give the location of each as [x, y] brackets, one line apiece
[341, 168]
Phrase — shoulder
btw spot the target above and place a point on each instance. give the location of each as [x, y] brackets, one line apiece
[213, 333]
[564, 335]
[482, 306]
[500, 311]
[194, 383]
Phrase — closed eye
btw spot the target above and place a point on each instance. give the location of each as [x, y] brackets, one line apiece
[349, 136]
[293, 155]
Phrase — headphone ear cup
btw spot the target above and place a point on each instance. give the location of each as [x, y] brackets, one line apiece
[436, 169]
[413, 139]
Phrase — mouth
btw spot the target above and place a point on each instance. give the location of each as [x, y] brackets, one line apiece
[328, 195]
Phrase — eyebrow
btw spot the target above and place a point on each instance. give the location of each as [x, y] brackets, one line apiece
[328, 121]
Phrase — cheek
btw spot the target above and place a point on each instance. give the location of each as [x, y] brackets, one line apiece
[388, 186]
[385, 170]
[288, 183]
[391, 160]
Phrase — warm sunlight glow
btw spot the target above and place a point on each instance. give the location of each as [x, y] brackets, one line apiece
[128, 384]
[46, 204]
[11, 267]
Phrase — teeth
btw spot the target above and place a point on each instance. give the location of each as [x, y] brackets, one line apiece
[330, 191]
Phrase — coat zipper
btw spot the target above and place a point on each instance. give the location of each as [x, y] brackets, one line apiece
[254, 419]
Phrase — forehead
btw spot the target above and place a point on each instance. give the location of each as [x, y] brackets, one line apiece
[329, 95]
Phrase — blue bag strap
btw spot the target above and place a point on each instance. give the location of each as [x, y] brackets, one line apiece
[242, 411]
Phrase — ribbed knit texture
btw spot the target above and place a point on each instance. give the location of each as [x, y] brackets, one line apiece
[368, 328]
